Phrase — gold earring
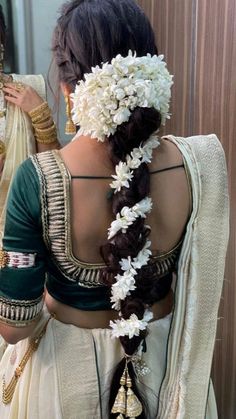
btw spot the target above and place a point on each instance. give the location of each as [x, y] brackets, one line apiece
[70, 127]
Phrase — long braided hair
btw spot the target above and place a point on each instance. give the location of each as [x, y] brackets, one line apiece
[149, 288]
[87, 34]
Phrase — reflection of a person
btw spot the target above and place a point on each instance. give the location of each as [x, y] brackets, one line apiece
[99, 343]
[26, 123]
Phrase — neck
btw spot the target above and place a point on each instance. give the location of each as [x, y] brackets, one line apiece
[87, 146]
[91, 143]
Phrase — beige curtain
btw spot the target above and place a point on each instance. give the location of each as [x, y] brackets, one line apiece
[198, 41]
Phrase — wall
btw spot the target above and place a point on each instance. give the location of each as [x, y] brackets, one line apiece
[197, 38]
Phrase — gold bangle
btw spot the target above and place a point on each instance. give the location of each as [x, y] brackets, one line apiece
[38, 110]
[43, 116]
[43, 140]
[46, 137]
[46, 140]
[2, 147]
[40, 114]
[45, 131]
[44, 124]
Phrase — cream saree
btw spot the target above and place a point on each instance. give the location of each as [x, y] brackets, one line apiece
[18, 139]
[68, 377]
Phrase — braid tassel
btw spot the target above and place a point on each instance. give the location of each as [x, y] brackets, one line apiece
[126, 402]
[120, 400]
[133, 406]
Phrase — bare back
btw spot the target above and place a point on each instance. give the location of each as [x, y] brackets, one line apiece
[91, 213]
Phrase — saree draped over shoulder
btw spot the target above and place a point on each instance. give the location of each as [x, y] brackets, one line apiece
[19, 140]
[68, 376]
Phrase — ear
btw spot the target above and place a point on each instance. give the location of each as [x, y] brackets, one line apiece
[65, 88]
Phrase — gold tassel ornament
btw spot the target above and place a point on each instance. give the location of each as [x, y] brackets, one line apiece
[70, 128]
[126, 402]
[133, 406]
[119, 405]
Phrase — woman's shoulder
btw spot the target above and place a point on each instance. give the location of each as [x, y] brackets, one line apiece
[25, 182]
[31, 170]
[195, 142]
[174, 149]
[43, 160]
[204, 149]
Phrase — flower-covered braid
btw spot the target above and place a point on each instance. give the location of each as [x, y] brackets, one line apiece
[124, 103]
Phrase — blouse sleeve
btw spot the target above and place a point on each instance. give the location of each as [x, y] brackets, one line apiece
[23, 257]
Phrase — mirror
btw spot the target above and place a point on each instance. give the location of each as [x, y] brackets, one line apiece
[29, 25]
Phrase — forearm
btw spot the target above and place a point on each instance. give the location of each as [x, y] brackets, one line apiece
[12, 334]
[44, 147]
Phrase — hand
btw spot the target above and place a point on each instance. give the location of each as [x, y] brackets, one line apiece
[22, 95]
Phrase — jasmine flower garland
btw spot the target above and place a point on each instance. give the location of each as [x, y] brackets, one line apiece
[109, 94]
[130, 327]
[128, 215]
[124, 172]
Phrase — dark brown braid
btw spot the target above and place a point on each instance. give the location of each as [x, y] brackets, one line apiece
[149, 289]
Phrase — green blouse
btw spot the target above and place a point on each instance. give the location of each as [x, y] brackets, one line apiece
[37, 248]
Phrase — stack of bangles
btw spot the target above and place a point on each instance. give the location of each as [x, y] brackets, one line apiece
[43, 124]
[2, 148]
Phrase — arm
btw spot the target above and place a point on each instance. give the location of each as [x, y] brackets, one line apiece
[22, 260]
[12, 334]
[28, 100]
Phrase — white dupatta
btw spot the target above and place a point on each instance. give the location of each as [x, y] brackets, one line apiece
[184, 391]
[19, 139]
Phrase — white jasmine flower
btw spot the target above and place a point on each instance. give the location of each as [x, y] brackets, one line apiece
[128, 215]
[143, 256]
[122, 115]
[122, 177]
[143, 207]
[130, 327]
[122, 287]
[126, 264]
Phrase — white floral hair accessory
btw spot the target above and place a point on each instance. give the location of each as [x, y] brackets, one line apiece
[125, 281]
[109, 94]
[130, 327]
[124, 170]
[128, 215]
